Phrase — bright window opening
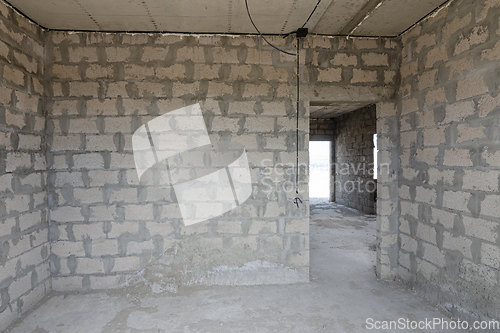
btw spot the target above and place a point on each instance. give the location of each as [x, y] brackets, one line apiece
[319, 169]
[375, 157]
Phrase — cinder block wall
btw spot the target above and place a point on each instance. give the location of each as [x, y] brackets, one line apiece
[108, 228]
[353, 162]
[321, 129]
[24, 243]
[450, 159]
[387, 189]
[438, 214]
[106, 225]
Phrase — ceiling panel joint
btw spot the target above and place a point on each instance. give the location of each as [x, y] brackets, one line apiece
[293, 7]
[87, 12]
[149, 14]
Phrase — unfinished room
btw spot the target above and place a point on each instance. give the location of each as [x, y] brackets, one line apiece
[249, 166]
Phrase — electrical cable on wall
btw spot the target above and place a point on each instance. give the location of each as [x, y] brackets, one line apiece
[301, 32]
[297, 199]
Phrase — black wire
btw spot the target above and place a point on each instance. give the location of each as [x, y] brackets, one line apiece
[297, 133]
[297, 199]
[261, 35]
[311, 13]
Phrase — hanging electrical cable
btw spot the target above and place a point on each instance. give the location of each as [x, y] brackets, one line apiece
[260, 33]
[297, 199]
[299, 33]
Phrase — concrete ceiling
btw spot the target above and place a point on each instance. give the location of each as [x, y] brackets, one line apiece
[336, 109]
[331, 17]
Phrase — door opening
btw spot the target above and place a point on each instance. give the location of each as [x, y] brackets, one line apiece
[319, 169]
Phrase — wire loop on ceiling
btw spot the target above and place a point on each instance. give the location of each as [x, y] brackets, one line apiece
[261, 35]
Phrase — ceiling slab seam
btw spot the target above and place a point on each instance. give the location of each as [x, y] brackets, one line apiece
[149, 14]
[86, 12]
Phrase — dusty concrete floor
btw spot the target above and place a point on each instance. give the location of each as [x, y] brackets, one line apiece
[342, 295]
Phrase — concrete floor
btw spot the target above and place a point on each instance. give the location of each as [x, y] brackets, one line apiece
[342, 295]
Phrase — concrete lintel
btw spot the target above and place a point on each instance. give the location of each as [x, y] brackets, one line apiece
[336, 94]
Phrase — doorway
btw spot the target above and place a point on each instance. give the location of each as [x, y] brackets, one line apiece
[342, 194]
[319, 169]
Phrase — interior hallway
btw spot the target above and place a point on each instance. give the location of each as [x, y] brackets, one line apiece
[342, 294]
